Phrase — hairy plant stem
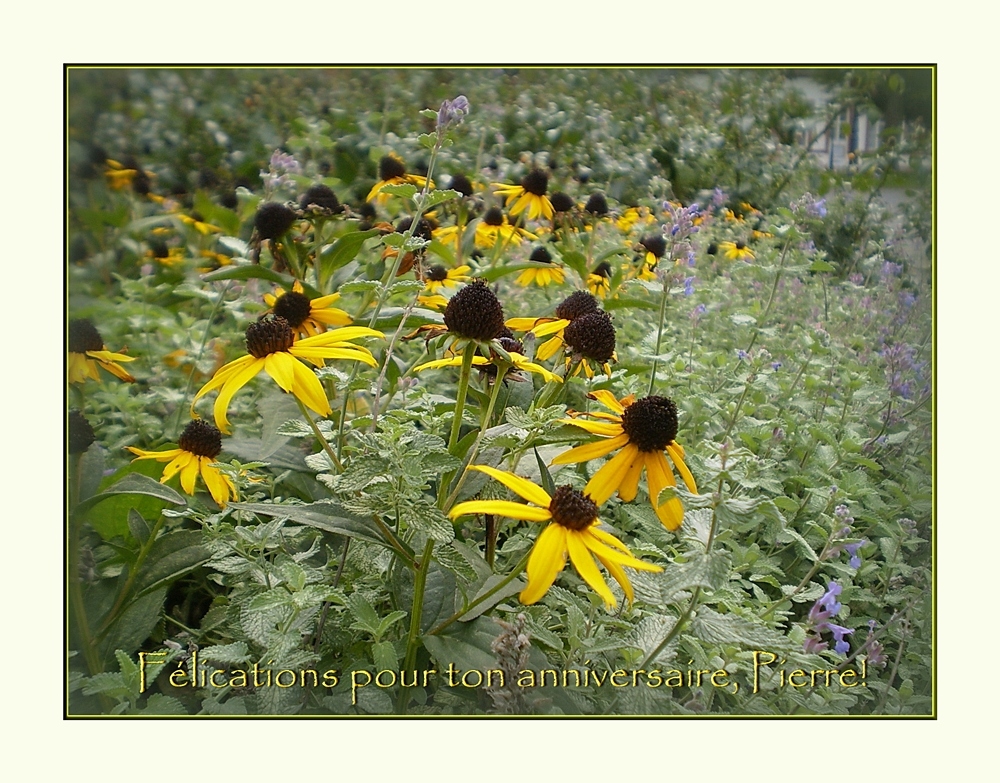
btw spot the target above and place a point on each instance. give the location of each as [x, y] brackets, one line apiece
[770, 299]
[319, 435]
[514, 573]
[659, 333]
[463, 389]
[416, 611]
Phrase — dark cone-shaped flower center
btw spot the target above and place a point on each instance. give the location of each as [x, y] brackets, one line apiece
[712, 249]
[651, 423]
[572, 509]
[740, 245]
[475, 312]
[596, 204]
[201, 438]
[493, 217]
[293, 307]
[541, 255]
[391, 167]
[158, 248]
[320, 196]
[536, 182]
[562, 202]
[576, 304]
[461, 183]
[273, 219]
[437, 273]
[424, 229]
[510, 345]
[269, 335]
[83, 337]
[81, 434]
[592, 336]
[603, 269]
[655, 244]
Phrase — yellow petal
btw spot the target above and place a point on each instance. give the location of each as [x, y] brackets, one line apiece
[280, 366]
[523, 364]
[219, 485]
[586, 567]
[344, 334]
[181, 461]
[596, 427]
[614, 556]
[454, 361]
[607, 399]
[547, 559]
[349, 351]
[222, 375]
[630, 484]
[677, 457]
[670, 513]
[590, 451]
[308, 389]
[189, 473]
[234, 382]
[604, 483]
[549, 348]
[501, 508]
[161, 456]
[526, 489]
[620, 577]
[523, 324]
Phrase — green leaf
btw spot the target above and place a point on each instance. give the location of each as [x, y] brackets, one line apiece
[789, 536]
[326, 516]
[710, 626]
[340, 253]
[630, 302]
[822, 266]
[511, 588]
[136, 484]
[138, 526]
[436, 197]
[467, 648]
[135, 624]
[405, 190]
[170, 557]
[237, 652]
[248, 272]
[161, 704]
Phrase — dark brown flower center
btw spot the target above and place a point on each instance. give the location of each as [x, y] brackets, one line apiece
[655, 244]
[475, 312]
[536, 182]
[541, 255]
[437, 273]
[576, 304]
[597, 204]
[603, 269]
[81, 434]
[572, 509]
[651, 423]
[390, 167]
[320, 196]
[293, 307]
[273, 219]
[461, 183]
[562, 202]
[83, 337]
[268, 335]
[592, 336]
[201, 439]
[740, 245]
[493, 217]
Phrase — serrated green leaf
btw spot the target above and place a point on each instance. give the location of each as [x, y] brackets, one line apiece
[236, 652]
[330, 517]
[340, 253]
[405, 190]
[710, 626]
[436, 197]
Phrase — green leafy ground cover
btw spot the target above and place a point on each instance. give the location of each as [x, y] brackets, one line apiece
[782, 308]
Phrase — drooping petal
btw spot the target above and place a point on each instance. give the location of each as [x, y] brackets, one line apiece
[502, 508]
[222, 375]
[523, 364]
[547, 559]
[189, 473]
[586, 567]
[524, 324]
[161, 456]
[179, 462]
[308, 389]
[620, 577]
[280, 366]
[219, 485]
[597, 546]
[454, 361]
[630, 484]
[344, 334]
[234, 382]
[596, 427]
[526, 489]
[549, 348]
[603, 484]
[589, 451]
[316, 354]
[677, 457]
[607, 399]
[670, 513]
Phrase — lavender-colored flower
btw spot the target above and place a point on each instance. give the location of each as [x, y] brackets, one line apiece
[775, 366]
[688, 286]
[697, 313]
[829, 599]
[719, 198]
[852, 550]
[778, 434]
[908, 525]
[890, 269]
[813, 644]
[280, 167]
[839, 632]
[742, 355]
[856, 278]
[452, 112]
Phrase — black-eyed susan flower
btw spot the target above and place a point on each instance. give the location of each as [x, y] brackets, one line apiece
[736, 251]
[87, 352]
[530, 195]
[633, 215]
[197, 448]
[462, 184]
[273, 219]
[306, 316]
[320, 201]
[196, 221]
[599, 281]
[474, 313]
[577, 304]
[272, 347]
[590, 338]
[597, 204]
[645, 431]
[573, 531]
[488, 367]
[392, 171]
[437, 277]
[494, 227]
[562, 202]
[79, 433]
[653, 247]
[127, 173]
[541, 275]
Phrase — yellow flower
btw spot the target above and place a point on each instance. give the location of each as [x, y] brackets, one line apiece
[529, 195]
[392, 171]
[541, 275]
[306, 316]
[644, 430]
[433, 301]
[118, 175]
[198, 446]
[438, 277]
[517, 359]
[577, 304]
[273, 348]
[494, 226]
[599, 281]
[87, 352]
[573, 531]
[195, 219]
[736, 251]
[633, 215]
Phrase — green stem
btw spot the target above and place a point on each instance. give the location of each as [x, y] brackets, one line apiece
[201, 352]
[515, 572]
[770, 299]
[659, 333]
[415, 614]
[463, 390]
[319, 435]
